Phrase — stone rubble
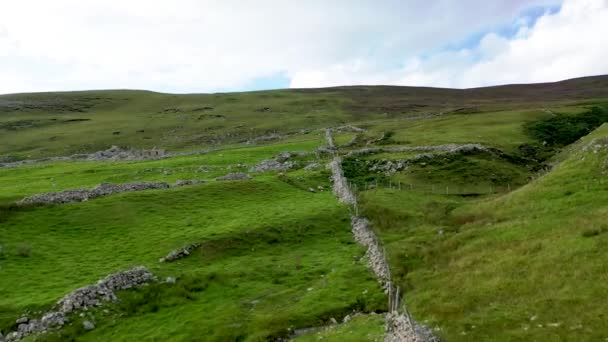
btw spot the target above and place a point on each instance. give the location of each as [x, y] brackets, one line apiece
[114, 153]
[180, 253]
[82, 299]
[104, 189]
[401, 328]
[234, 176]
[348, 128]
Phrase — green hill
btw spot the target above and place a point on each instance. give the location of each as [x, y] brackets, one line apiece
[489, 203]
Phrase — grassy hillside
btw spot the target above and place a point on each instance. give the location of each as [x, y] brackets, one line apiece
[527, 265]
[57, 124]
[500, 242]
[274, 256]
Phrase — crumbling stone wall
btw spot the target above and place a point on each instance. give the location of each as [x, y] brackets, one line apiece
[81, 299]
[104, 189]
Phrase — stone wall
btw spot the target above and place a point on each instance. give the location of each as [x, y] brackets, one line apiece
[104, 189]
[82, 299]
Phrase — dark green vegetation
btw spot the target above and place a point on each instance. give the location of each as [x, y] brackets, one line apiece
[506, 243]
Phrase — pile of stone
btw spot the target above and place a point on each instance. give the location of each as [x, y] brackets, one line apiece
[279, 163]
[348, 128]
[402, 328]
[81, 299]
[119, 153]
[234, 176]
[180, 253]
[104, 189]
[387, 167]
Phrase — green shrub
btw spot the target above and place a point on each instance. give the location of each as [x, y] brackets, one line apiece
[562, 130]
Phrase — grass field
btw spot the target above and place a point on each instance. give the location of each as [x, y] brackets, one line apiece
[506, 244]
[266, 243]
[527, 265]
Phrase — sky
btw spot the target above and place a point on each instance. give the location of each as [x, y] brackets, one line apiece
[187, 46]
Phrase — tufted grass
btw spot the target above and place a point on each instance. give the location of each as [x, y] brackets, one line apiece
[520, 266]
[269, 246]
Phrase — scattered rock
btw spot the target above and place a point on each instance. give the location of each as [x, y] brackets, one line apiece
[22, 320]
[170, 280]
[333, 321]
[88, 325]
[272, 165]
[180, 183]
[180, 253]
[234, 176]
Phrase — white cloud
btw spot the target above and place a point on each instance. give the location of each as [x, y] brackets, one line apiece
[189, 45]
[558, 46]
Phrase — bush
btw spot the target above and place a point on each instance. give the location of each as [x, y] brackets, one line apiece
[562, 130]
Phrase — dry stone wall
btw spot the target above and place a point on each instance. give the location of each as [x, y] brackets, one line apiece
[104, 189]
[399, 325]
[82, 299]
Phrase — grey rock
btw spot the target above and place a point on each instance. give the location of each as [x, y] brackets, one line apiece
[103, 189]
[170, 280]
[180, 253]
[88, 325]
[234, 176]
[22, 320]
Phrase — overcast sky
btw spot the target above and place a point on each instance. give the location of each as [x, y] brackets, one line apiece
[234, 45]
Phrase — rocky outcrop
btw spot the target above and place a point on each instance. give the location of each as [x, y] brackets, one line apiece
[81, 299]
[104, 189]
[234, 176]
[180, 253]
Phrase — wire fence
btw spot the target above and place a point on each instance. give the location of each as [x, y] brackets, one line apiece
[439, 189]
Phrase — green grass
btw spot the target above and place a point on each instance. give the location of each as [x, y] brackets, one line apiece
[276, 256]
[54, 176]
[360, 328]
[523, 266]
[265, 241]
